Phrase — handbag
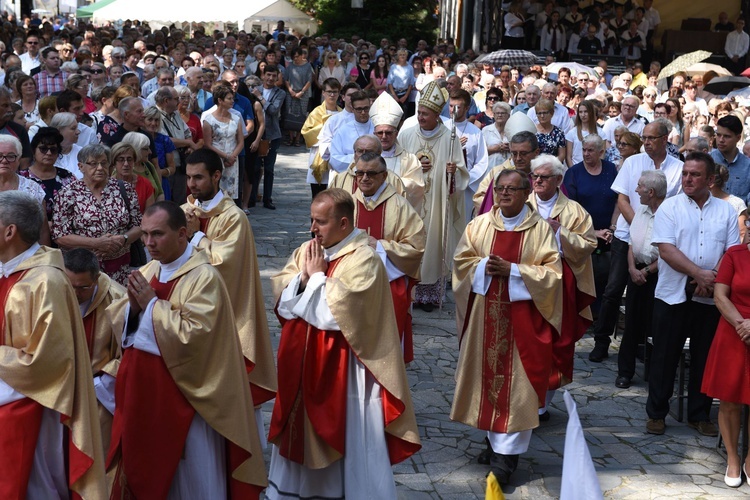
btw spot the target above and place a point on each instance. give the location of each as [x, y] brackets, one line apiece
[137, 250]
[264, 147]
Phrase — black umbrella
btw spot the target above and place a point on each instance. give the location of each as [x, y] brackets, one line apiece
[725, 84]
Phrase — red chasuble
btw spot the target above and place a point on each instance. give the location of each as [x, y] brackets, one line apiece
[313, 367]
[373, 222]
[507, 325]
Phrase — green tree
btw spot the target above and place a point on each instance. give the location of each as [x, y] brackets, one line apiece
[394, 19]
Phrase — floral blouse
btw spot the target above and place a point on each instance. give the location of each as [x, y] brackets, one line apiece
[51, 186]
[550, 143]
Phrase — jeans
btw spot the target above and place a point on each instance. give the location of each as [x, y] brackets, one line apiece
[610, 306]
[266, 163]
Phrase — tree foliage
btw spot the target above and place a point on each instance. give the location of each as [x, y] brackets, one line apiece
[393, 19]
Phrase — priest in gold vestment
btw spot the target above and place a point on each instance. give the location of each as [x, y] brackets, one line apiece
[220, 228]
[50, 443]
[184, 424]
[396, 232]
[95, 291]
[445, 179]
[507, 281]
[574, 231]
[348, 180]
[343, 413]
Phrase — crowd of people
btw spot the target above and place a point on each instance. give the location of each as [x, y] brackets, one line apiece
[131, 160]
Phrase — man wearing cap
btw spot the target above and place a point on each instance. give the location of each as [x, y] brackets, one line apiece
[342, 146]
[446, 178]
[385, 115]
[395, 231]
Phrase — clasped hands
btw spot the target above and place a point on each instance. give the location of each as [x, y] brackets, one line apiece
[743, 330]
[497, 266]
[704, 281]
[140, 292]
[314, 262]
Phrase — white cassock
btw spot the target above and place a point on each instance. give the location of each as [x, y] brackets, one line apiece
[324, 143]
[365, 470]
[510, 443]
[201, 472]
[342, 146]
[477, 160]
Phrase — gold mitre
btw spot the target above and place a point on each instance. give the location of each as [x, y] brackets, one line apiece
[386, 111]
[433, 97]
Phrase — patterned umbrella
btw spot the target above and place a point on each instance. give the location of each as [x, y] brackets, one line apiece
[683, 62]
[700, 68]
[510, 57]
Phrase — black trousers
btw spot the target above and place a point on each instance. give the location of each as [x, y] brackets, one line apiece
[639, 305]
[610, 305]
[601, 262]
[672, 324]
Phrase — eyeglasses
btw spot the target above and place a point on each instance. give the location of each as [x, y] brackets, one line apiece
[124, 159]
[628, 106]
[32, 43]
[623, 144]
[364, 58]
[48, 150]
[331, 92]
[386, 133]
[9, 158]
[646, 138]
[542, 178]
[518, 154]
[364, 109]
[492, 98]
[84, 288]
[543, 113]
[369, 173]
[508, 189]
[97, 71]
[96, 164]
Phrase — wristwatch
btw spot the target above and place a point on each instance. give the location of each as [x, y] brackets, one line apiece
[125, 235]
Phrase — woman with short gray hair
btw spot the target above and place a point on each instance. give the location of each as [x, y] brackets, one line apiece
[67, 125]
[498, 143]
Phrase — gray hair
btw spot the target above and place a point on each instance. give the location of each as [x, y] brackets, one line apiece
[501, 106]
[9, 139]
[163, 94]
[137, 139]
[117, 51]
[594, 140]
[181, 90]
[69, 66]
[656, 180]
[62, 120]
[126, 104]
[163, 71]
[91, 151]
[152, 112]
[374, 139]
[700, 143]
[23, 211]
[545, 160]
[663, 126]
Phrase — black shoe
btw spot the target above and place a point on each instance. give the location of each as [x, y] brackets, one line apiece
[428, 307]
[484, 457]
[622, 382]
[503, 466]
[250, 204]
[269, 206]
[544, 417]
[600, 352]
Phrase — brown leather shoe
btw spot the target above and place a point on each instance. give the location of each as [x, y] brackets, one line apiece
[655, 426]
[705, 427]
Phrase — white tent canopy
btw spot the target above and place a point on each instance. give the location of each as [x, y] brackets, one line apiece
[262, 13]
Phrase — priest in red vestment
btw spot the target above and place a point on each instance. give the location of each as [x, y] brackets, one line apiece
[50, 443]
[184, 424]
[507, 281]
[343, 413]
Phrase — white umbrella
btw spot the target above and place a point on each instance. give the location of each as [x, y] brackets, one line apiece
[574, 68]
[701, 67]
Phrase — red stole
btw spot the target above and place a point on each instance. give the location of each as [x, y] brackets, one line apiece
[313, 366]
[150, 433]
[508, 324]
[573, 327]
[203, 221]
[19, 423]
[373, 221]
[89, 322]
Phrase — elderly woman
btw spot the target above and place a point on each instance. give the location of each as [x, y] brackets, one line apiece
[727, 373]
[628, 145]
[80, 85]
[152, 118]
[494, 135]
[123, 161]
[29, 102]
[143, 166]
[717, 191]
[192, 120]
[10, 158]
[46, 147]
[67, 125]
[642, 269]
[401, 79]
[589, 183]
[575, 235]
[222, 131]
[99, 214]
[551, 138]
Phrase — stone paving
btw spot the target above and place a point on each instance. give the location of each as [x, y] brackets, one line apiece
[630, 464]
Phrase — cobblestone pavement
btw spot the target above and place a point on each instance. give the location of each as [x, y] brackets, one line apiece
[630, 463]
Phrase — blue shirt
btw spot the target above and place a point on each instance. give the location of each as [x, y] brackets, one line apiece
[241, 104]
[593, 192]
[738, 183]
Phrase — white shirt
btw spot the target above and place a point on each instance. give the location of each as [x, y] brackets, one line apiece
[561, 118]
[737, 44]
[636, 126]
[28, 63]
[641, 233]
[206, 206]
[572, 138]
[702, 235]
[627, 180]
[342, 146]
[70, 162]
